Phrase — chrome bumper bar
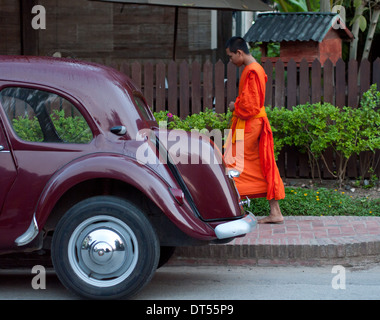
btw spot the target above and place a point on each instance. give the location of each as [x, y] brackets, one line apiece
[29, 234]
[236, 228]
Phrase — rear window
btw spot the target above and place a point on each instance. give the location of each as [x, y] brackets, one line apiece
[143, 107]
[42, 116]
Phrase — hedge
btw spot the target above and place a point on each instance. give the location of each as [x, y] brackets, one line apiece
[311, 128]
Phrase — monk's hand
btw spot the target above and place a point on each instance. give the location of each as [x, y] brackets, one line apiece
[232, 105]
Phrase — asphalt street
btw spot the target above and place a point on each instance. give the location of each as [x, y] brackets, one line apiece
[220, 283]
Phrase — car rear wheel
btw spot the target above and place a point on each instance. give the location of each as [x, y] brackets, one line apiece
[105, 247]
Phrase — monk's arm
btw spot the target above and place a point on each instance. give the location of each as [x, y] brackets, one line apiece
[248, 103]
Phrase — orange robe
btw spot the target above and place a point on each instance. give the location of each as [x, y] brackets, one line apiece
[249, 146]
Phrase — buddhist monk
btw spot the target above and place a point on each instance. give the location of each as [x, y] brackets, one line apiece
[249, 146]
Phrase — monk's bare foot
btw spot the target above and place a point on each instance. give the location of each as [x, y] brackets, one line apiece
[271, 220]
[275, 215]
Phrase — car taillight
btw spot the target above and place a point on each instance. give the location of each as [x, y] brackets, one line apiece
[233, 174]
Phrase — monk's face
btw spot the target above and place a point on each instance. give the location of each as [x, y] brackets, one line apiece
[236, 58]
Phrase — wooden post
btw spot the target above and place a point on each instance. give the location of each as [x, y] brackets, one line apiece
[29, 36]
[316, 81]
[231, 83]
[173, 87]
[148, 83]
[279, 95]
[136, 74]
[184, 94]
[219, 87]
[207, 85]
[340, 84]
[352, 84]
[328, 82]
[304, 82]
[160, 87]
[196, 105]
[292, 84]
[268, 67]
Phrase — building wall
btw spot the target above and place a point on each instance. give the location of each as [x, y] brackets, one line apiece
[77, 28]
[10, 27]
[298, 50]
[105, 31]
[330, 47]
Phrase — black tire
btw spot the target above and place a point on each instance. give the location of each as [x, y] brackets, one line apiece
[105, 248]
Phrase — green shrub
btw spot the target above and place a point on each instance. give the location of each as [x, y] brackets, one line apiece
[70, 129]
[357, 130]
[28, 129]
[306, 127]
[207, 119]
[319, 202]
[311, 128]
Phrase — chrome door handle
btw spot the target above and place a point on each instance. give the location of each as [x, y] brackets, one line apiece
[1, 148]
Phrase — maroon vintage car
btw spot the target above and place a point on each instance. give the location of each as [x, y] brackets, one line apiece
[87, 173]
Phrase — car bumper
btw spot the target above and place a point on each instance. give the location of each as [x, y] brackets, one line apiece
[29, 234]
[236, 228]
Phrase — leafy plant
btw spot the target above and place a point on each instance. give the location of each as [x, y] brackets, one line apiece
[70, 129]
[297, 5]
[28, 129]
[279, 121]
[163, 116]
[319, 202]
[311, 128]
[305, 127]
[207, 119]
[355, 130]
[272, 49]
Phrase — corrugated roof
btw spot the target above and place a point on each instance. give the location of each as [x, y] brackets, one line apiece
[301, 26]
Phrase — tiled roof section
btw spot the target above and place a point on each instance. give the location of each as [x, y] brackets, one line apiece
[301, 26]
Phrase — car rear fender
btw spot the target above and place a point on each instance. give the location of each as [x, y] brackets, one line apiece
[131, 172]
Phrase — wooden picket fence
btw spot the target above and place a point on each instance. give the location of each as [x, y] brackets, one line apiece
[185, 88]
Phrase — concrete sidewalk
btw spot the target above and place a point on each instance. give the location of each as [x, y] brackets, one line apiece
[299, 241]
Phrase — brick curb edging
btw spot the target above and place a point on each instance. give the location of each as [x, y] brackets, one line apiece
[299, 241]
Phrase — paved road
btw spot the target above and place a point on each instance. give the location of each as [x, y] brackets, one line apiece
[222, 282]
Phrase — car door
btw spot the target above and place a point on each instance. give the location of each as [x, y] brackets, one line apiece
[8, 170]
[46, 132]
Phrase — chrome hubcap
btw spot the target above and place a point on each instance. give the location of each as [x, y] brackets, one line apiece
[103, 251]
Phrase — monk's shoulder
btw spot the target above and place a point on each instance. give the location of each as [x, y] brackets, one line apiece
[256, 67]
[256, 70]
